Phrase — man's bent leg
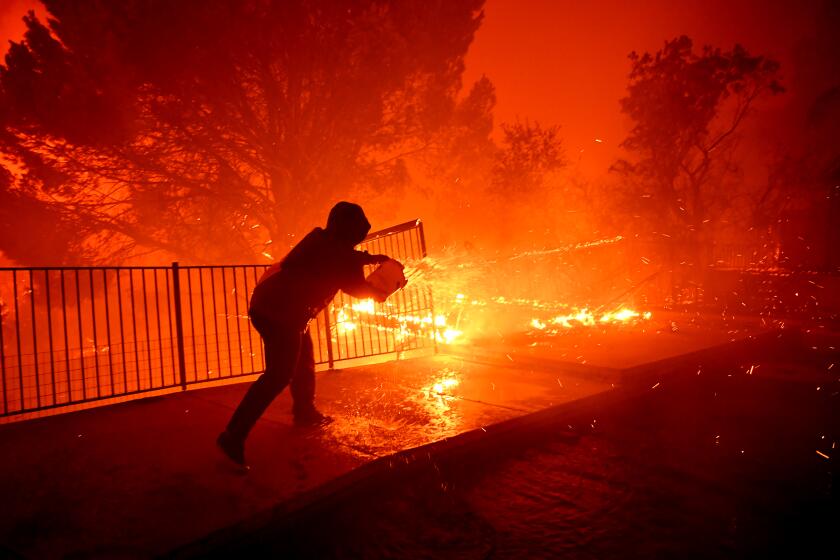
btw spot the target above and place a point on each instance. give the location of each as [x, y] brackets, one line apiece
[303, 381]
[282, 349]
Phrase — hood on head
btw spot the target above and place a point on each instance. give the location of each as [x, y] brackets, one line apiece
[347, 222]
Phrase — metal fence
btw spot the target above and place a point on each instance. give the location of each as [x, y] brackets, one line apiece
[70, 336]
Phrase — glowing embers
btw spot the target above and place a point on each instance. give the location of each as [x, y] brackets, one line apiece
[366, 314]
[445, 333]
[343, 323]
[364, 306]
[586, 318]
[448, 336]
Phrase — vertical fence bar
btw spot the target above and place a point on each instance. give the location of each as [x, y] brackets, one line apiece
[262, 349]
[134, 328]
[66, 334]
[50, 333]
[192, 324]
[146, 324]
[179, 325]
[203, 324]
[215, 320]
[238, 320]
[330, 360]
[93, 323]
[108, 331]
[173, 347]
[400, 299]
[227, 319]
[247, 305]
[34, 339]
[344, 330]
[122, 332]
[81, 339]
[431, 300]
[159, 331]
[390, 339]
[17, 338]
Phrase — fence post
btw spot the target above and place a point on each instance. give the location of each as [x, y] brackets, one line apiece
[422, 235]
[179, 325]
[330, 359]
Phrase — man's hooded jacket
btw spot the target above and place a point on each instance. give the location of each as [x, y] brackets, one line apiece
[294, 290]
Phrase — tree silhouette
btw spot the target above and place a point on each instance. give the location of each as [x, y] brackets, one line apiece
[528, 153]
[450, 176]
[800, 205]
[215, 129]
[687, 109]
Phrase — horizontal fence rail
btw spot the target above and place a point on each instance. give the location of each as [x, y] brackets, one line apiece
[70, 336]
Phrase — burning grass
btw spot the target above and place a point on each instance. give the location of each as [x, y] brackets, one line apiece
[550, 291]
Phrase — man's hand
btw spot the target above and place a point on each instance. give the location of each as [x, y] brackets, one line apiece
[379, 259]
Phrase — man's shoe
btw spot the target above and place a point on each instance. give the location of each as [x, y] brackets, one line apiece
[233, 448]
[311, 418]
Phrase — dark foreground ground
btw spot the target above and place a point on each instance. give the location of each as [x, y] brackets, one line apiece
[736, 461]
[592, 444]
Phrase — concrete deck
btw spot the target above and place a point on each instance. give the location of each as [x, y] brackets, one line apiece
[140, 479]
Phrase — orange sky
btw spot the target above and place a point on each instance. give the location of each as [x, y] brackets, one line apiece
[11, 26]
[565, 61]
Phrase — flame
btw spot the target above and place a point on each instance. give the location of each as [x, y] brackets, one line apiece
[364, 306]
[367, 313]
[586, 318]
[450, 326]
[343, 323]
[438, 328]
[449, 335]
[623, 316]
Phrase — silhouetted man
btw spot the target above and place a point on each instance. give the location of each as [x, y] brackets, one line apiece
[286, 298]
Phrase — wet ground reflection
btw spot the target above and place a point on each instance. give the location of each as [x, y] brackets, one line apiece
[389, 417]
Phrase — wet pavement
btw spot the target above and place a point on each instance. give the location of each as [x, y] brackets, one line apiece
[139, 479]
[721, 465]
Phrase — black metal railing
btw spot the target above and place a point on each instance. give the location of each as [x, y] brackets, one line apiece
[78, 335]
[405, 322]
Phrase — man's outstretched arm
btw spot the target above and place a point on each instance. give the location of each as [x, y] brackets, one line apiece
[360, 288]
[367, 258]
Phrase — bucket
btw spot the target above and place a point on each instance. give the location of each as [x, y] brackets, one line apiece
[388, 277]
